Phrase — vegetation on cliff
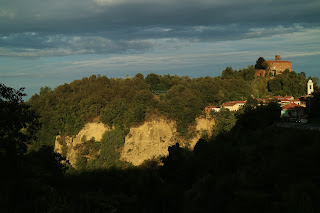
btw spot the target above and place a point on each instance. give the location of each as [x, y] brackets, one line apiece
[123, 103]
[253, 167]
[249, 165]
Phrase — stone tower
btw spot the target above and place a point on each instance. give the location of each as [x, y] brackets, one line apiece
[277, 58]
[310, 87]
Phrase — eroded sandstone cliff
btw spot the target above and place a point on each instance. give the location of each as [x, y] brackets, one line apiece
[69, 146]
[151, 139]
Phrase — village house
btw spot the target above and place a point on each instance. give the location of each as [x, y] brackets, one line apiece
[282, 100]
[287, 97]
[233, 105]
[208, 109]
[291, 107]
[297, 101]
[292, 111]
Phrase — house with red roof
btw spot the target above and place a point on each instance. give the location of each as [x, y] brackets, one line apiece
[287, 97]
[208, 109]
[233, 105]
[292, 110]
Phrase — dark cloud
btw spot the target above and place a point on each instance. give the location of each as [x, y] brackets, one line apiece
[103, 26]
[84, 15]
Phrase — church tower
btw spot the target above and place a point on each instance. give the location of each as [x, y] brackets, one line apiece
[310, 87]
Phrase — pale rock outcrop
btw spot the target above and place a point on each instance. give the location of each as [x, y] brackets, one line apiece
[67, 145]
[152, 139]
[204, 126]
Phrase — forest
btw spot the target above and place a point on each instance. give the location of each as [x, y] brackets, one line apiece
[248, 165]
[123, 103]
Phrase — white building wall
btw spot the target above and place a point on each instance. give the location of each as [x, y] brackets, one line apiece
[310, 87]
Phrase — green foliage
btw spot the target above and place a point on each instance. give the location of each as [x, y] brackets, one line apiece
[68, 107]
[261, 64]
[258, 117]
[17, 126]
[251, 103]
[104, 154]
[123, 103]
[247, 74]
[288, 83]
[183, 105]
[275, 85]
[225, 121]
[260, 87]
[45, 90]
[255, 167]
[111, 144]
[228, 73]
[248, 169]
[153, 80]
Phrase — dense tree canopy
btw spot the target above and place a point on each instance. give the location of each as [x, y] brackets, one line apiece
[288, 83]
[125, 102]
[17, 126]
[250, 165]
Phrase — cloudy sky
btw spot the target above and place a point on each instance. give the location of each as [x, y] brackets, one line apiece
[45, 42]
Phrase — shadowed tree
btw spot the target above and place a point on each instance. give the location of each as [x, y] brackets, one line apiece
[261, 64]
[16, 127]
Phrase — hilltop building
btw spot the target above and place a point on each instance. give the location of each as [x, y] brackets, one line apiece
[279, 66]
[275, 67]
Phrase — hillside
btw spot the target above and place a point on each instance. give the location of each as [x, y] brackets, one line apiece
[248, 164]
[123, 104]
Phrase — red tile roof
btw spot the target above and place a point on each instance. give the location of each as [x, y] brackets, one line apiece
[232, 103]
[283, 97]
[278, 61]
[287, 96]
[285, 100]
[292, 106]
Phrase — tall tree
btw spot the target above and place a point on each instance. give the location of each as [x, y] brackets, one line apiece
[17, 123]
[261, 64]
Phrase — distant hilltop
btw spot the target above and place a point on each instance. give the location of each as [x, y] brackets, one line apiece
[272, 67]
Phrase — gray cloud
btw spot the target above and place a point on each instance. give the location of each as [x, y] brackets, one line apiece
[62, 27]
[83, 15]
[37, 44]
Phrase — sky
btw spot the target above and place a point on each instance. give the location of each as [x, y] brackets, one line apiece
[49, 43]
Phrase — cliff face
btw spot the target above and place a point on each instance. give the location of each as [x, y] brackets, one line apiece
[68, 146]
[151, 139]
[203, 126]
